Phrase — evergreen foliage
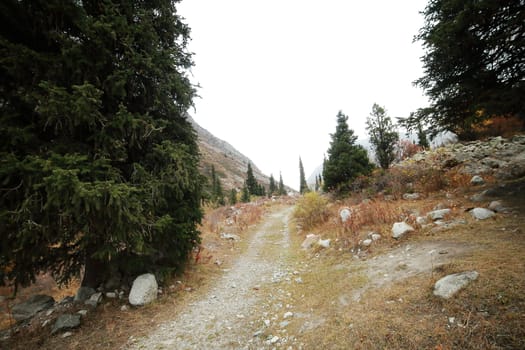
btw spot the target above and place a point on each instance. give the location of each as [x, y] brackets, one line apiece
[273, 187]
[474, 64]
[422, 137]
[99, 165]
[383, 136]
[251, 182]
[233, 196]
[282, 190]
[217, 195]
[245, 195]
[303, 186]
[346, 160]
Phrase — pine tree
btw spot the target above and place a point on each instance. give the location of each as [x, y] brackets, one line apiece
[422, 137]
[99, 165]
[473, 64]
[233, 197]
[303, 186]
[282, 190]
[251, 182]
[273, 187]
[383, 136]
[245, 195]
[346, 160]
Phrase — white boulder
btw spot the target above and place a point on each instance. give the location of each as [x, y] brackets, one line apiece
[482, 213]
[451, 284]
[345, 214]
[400, 228]
[144, 290]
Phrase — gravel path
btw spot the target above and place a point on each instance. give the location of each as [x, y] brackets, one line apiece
[225, 318]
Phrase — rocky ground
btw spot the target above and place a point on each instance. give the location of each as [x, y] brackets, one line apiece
[278, 293]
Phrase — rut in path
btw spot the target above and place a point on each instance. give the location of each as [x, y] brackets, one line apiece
[219, 320]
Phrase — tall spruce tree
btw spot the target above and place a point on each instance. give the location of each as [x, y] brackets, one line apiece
[473, 64]
[346, 160]
[273, 187]
[99, 165]
[383, 136]
[303, 186]
[282, 190]
[251, 182]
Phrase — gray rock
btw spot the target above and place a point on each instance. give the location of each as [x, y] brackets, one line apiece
[375, 236]
[411, 196]
[84, 293]
[144, 290]
[449, 285]
[367, 242]
[230, 236]
[438, 214]
[66, 321]
[345, 214]
[477, 180]
[325, 243]
[496, 206]
[482, 213]
[421, 220]
[309, 241]
[32, 306]
[400, 228]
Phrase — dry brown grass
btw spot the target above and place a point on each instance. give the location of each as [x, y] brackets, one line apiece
[488, 314]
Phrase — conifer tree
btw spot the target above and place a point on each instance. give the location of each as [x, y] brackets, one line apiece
[303, 186]
[273, 187]
[233, 196]
[251, 182]
[282, 190]
[422, 137]
[383, 136]
[346, 160]
[99, 164]
[245, 195]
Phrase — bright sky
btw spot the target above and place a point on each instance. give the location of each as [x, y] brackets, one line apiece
[274, 73]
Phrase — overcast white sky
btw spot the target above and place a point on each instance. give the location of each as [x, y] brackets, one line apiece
[274, 73]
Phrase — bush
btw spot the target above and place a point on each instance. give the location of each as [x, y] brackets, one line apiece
[311, 210]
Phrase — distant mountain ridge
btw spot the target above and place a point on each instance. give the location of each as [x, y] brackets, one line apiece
[230, 164]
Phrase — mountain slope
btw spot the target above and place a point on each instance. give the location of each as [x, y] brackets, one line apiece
[230, 164]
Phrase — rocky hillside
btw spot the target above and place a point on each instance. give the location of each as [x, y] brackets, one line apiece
[230, 164]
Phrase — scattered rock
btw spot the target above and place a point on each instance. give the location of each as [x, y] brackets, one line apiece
[400, 228]
[84, 293]
[438, 214]
[325, 243]
[345, 214]
[496, 206]
[32, 306]
[411, 196]
[366, 243]
[375, 236]
[230, 236]
[449, 285]
[421, 220]
[288, 314]
[309, 241]
[111, 295]
[82, 312]
[482, 213]
[66, 321]
[477, 180]
[144, 290]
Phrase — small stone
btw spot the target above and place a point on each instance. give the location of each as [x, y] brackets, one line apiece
[411, 196]
[66, 321]
[367, 242]
[111, 295]
[230, 236]
[84, 293]
[284, 324]
[325, 243]
[309, 241]
[82, 312]
[438, 214]
[267, 323]
[400, 228]
[496, 206]
[449, 285]
[274, 339]
[477, 180]
[288, 314]
[345, 214]
[66, 334]
[124, 308]
[144, 290]
[482, 213]
[375, 236]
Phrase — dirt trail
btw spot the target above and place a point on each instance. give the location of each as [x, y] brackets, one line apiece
[221, 318]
